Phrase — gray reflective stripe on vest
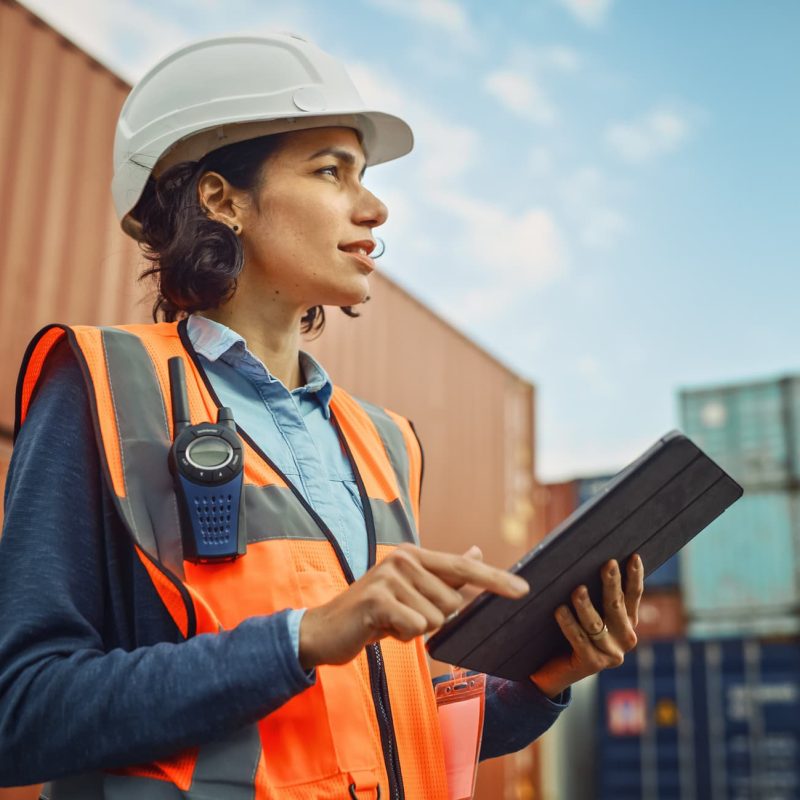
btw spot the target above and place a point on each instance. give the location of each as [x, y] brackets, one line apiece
[392, 524]
[150, 505]
[395, 446]
[283, 515]
[225, 770]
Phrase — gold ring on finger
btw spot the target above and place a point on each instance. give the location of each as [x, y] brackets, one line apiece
[602, 632]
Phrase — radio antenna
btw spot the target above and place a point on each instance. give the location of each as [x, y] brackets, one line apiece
[180, 400]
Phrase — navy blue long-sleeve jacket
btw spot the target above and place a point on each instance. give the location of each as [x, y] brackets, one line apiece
[93, 672]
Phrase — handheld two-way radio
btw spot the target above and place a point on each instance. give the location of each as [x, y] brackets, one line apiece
[207, 465]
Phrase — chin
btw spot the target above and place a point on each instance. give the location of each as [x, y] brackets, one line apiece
[353, 295]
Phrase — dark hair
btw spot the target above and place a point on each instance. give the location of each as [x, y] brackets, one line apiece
[196, 260]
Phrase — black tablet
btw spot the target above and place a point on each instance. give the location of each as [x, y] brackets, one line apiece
[653, 507]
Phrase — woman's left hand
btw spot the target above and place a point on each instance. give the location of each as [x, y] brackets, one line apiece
[598, 642]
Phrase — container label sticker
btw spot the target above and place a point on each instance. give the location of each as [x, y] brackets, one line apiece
[627, 712]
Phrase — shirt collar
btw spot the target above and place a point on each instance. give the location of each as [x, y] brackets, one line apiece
[213, 340]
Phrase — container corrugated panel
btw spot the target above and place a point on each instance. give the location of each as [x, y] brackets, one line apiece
[558, 501]
[661, 615]
[701, 721]
[742, 570]
[62, 255]
[751, 430]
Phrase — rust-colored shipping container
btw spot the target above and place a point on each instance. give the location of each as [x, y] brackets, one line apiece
[661, 616]
[556, 501]
[62, 255]
[63, 259]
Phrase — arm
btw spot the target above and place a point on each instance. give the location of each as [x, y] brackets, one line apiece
[516, 713]
[69, 665]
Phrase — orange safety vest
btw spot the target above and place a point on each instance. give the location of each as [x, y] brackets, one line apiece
[368, 728]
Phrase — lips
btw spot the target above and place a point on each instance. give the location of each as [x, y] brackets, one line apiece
[362, 247]
[360, 250]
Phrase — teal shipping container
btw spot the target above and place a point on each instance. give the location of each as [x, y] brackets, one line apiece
[740, 575]
[752, 430]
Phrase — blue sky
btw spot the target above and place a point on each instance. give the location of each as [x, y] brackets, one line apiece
[603, 193]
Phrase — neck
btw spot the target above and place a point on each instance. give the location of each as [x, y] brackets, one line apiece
[271, 330]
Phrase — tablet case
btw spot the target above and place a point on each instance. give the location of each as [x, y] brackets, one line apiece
[653, 507]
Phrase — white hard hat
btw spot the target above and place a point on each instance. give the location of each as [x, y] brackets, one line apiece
[224, 90]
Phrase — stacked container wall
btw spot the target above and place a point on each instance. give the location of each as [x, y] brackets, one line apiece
[477, 431]
[701, 721]
[740, 575]
[751, 430]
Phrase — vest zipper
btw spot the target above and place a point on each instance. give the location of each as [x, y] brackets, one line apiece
[377, 673]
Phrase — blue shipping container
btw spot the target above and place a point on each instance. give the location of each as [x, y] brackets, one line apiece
[717, 720]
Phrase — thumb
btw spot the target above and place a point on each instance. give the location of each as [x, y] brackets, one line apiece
[474, 552]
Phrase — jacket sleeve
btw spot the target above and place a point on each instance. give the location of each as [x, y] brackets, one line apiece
[516, 713]
[73, 699]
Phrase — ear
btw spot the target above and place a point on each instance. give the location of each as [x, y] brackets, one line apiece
[216, 195]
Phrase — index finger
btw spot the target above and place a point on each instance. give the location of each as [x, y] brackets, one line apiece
[458, 571]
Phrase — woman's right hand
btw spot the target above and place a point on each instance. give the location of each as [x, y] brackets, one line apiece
[410, 593]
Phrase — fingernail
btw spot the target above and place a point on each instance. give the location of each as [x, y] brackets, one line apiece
[520, 584]
[562, 612]
[583, 593]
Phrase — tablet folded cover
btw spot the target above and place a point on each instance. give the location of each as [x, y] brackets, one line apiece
[653, 507]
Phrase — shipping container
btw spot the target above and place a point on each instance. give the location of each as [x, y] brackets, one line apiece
[80, 269]
[700, 721]
[661, 615]
[752, 430]
[62, 255]
[740, 575]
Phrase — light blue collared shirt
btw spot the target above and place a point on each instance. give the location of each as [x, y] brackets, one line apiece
[293, 428]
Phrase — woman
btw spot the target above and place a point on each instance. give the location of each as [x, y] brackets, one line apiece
[129, 668]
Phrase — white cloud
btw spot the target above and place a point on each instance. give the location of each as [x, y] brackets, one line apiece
[591, 371]
[603, 228]
[562, 58]
[526, 248]
[661, 131]
[588, 12]
[521, 94]
[443, 150]
[508, 251]
[587, 195]
[446, 15]
[541, 161]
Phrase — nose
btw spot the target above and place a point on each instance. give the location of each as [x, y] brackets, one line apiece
[370, 211]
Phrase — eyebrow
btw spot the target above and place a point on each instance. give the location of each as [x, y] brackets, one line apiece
[343, 155]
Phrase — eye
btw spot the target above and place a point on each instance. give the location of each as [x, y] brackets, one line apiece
[333, 167]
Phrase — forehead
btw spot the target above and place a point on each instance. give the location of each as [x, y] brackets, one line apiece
[303, 144]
